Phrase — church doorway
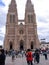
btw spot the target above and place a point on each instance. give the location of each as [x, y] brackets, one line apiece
[11, 46]
[32, 45]
[21, 45]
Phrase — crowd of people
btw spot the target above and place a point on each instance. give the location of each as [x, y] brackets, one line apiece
[29, 54]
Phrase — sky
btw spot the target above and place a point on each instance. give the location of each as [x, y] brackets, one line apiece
[41, 8]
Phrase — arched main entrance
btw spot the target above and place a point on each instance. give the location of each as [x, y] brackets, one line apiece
[21, 45]
[32, 45]
[11, 46]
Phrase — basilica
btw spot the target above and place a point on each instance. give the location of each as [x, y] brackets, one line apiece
[21, 34]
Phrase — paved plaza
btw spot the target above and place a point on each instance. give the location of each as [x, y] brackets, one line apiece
[22, 61]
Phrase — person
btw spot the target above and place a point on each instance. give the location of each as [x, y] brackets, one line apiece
[45, 54]
[29, 57]
[22, 53]
[13, 55]
[37, 56]
[2, 57]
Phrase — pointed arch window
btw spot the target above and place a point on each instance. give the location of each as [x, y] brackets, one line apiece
[12, 18]
[30, 18]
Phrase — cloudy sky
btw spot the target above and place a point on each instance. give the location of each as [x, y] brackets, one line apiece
[41, 8]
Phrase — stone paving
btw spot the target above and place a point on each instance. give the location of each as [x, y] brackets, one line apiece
[22, 61]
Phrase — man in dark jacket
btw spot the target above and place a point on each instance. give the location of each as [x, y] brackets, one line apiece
[2, 57]
[37, 55]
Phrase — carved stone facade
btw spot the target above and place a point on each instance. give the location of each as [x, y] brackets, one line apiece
[21, 34]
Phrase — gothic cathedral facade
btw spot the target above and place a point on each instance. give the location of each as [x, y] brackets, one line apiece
[21, 34]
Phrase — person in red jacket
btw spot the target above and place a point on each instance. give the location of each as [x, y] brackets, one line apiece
[29, 57]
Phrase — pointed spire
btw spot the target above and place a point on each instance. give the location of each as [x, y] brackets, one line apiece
[12, 6]
[29, 6]
[13, 2]
[28, 1]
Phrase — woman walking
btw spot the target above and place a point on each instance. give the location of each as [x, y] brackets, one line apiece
[29, 57]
